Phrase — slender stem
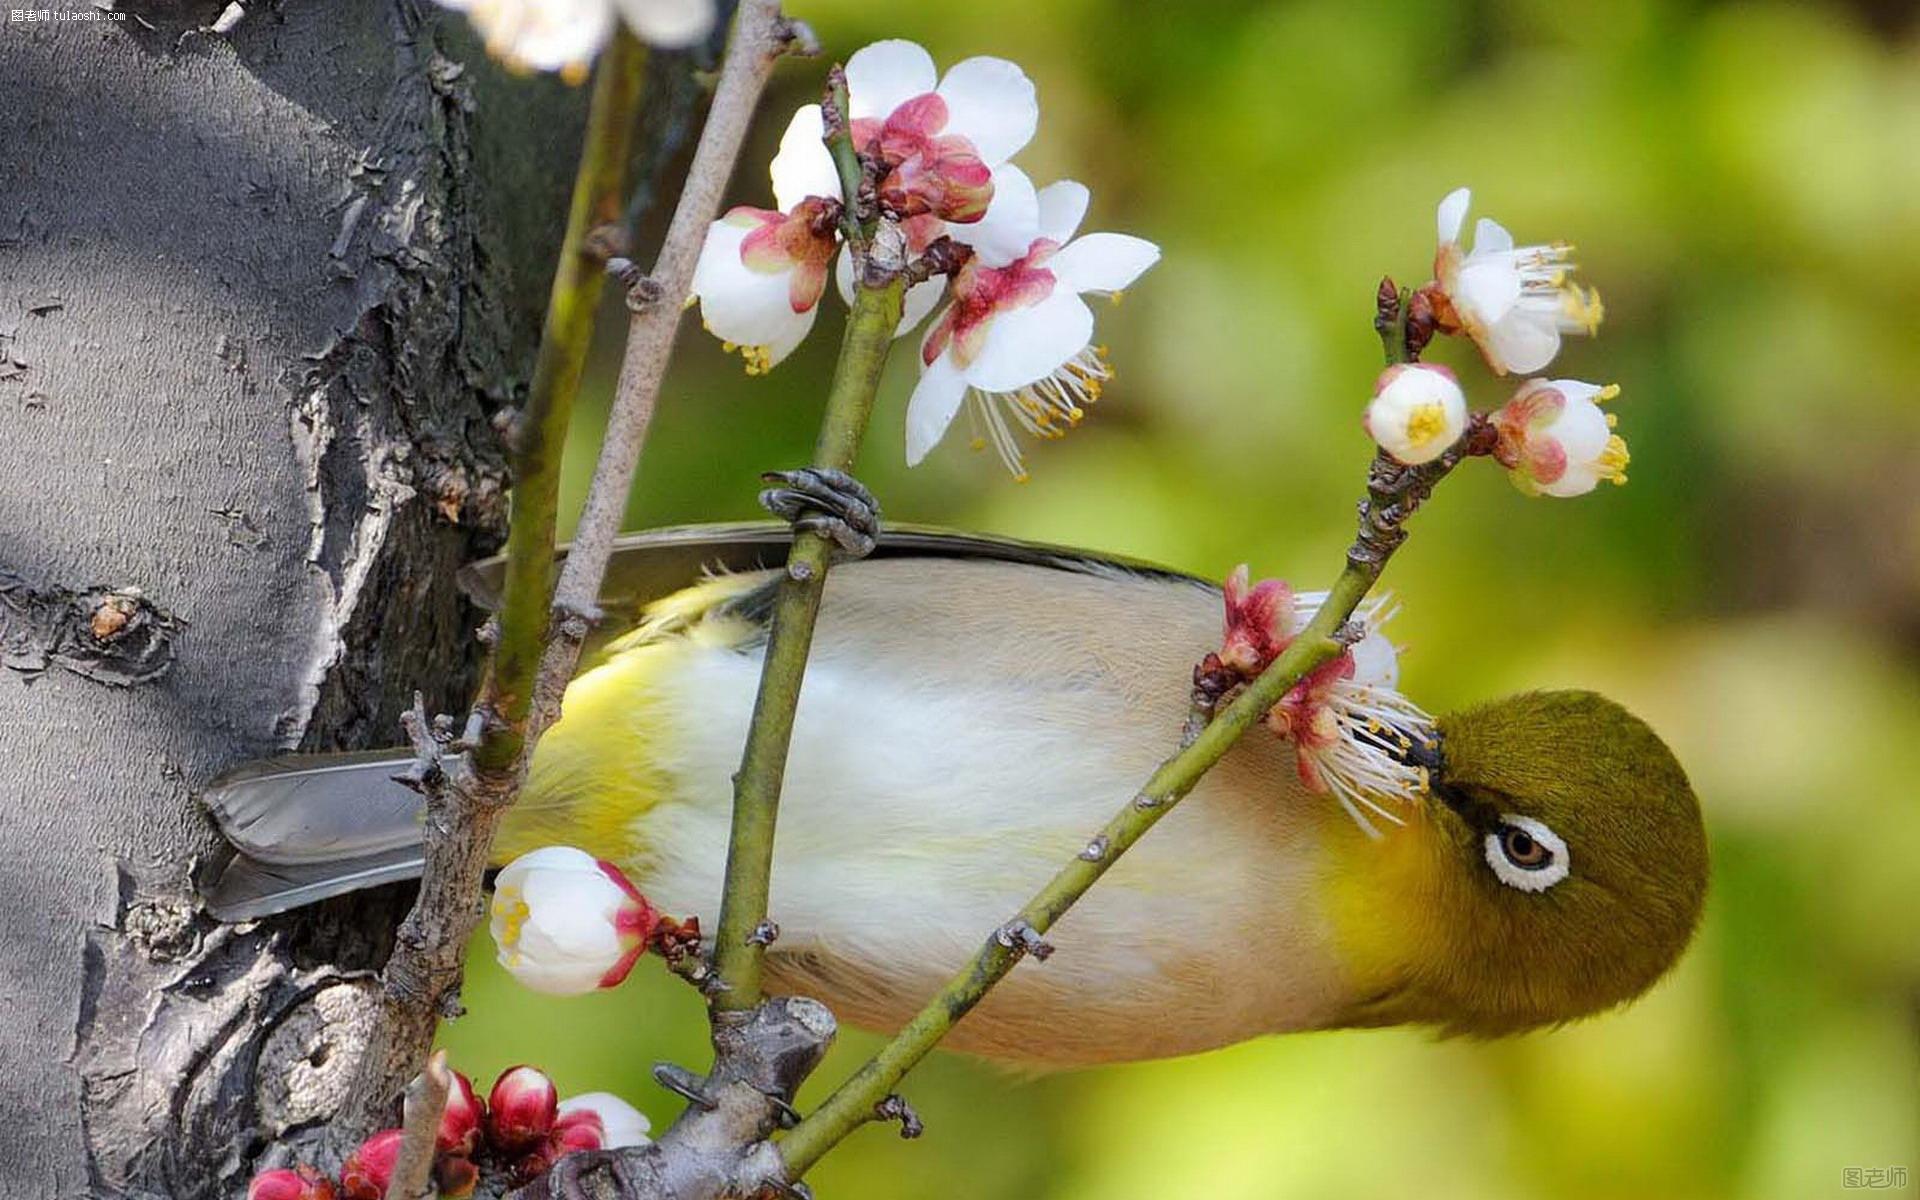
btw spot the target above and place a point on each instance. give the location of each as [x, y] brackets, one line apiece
[1392, 496]
[426, 1100]
[599, 194]
[760, 36]
[756, 792]
[465, 803]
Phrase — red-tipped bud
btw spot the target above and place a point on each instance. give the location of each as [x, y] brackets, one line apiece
[599, 1121]
[1259, 622]
[296, 1183]
[455, 1176]
[365, 1175]
[461, 1120]
[521, 1110]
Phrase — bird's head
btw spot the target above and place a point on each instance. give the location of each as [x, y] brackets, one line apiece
[1558, 870]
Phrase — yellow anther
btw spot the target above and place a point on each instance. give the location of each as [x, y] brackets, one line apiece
[1612, 463]
[1609, 392]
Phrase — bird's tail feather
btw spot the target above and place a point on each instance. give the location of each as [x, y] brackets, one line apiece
[312, 827]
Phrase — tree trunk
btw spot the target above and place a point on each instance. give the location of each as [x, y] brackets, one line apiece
[260, 298]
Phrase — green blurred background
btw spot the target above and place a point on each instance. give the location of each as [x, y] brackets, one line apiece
[1744, 183]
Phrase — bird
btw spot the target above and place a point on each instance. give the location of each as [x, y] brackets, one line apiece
[973, 710]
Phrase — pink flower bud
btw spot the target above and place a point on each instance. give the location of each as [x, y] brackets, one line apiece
[365, 1175]
[297, 1183]
[599, 1121]
[461, 1120]
[521, 1110]
[1258, 621]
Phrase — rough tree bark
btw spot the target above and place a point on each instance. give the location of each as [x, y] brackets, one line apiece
[259, 302]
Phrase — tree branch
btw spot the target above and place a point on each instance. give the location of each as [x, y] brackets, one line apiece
[466, 794]
[760, 36]
[739, 949]
[426, 1100]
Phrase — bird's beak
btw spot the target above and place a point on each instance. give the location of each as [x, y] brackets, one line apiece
[1426, 749]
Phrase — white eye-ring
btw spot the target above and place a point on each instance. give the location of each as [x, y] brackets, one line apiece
[1525, 854]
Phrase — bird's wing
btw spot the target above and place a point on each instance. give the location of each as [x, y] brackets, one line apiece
[655, 563]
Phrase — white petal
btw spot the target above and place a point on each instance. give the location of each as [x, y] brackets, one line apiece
[544, 34]
[1487, 290]
[1575, 390]
[1375, 662]
[1491, 237]
[1011, 222]
[621, 1123]
[1062, 207]
[563, 858]
[843, 275]
[1523, 341]
[1582, 429]
[1453, 213]
[991, 102]
[670, 23]
[1102, 262]
[556, 978]
[920, 300]
[803, 167]
[882, 76]
[935, 400]
[1028, 344]
[744, 306]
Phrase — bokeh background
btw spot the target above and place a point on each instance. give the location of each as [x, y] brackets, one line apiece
[1744, 184]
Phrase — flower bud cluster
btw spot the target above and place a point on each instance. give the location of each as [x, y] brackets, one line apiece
[517, 1133]
[1515, 304]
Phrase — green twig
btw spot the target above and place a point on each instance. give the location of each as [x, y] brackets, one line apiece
[837, 128]
[540, 432]
[1391, 497]
[466, 796]
[756, 794]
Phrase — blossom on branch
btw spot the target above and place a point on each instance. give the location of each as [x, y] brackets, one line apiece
[461, 1120]
[1349, 724]
[567, 923]
[521, 1110]
[935, 146]
[1017, 339]
[1514, 302]
[1418, 411]
[564, 35]
[599, 1121]
[1556, 440]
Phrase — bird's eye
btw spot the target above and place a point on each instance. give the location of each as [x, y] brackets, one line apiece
[1525, 854]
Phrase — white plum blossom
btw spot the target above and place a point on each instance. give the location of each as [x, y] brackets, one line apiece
[566, 923]
[939, 142]
[564, 35]
[1555, 440]
[1017, 340]
[1514, 302]
[1349, 723]
[612, 1122]
[1417, 412]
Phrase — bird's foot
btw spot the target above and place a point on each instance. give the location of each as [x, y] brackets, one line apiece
[828, 502]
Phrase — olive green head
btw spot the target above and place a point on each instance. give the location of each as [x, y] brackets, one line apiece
[1561, 872]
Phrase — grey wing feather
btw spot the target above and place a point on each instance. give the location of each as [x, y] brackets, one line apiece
[316, 808]
[249, 889]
